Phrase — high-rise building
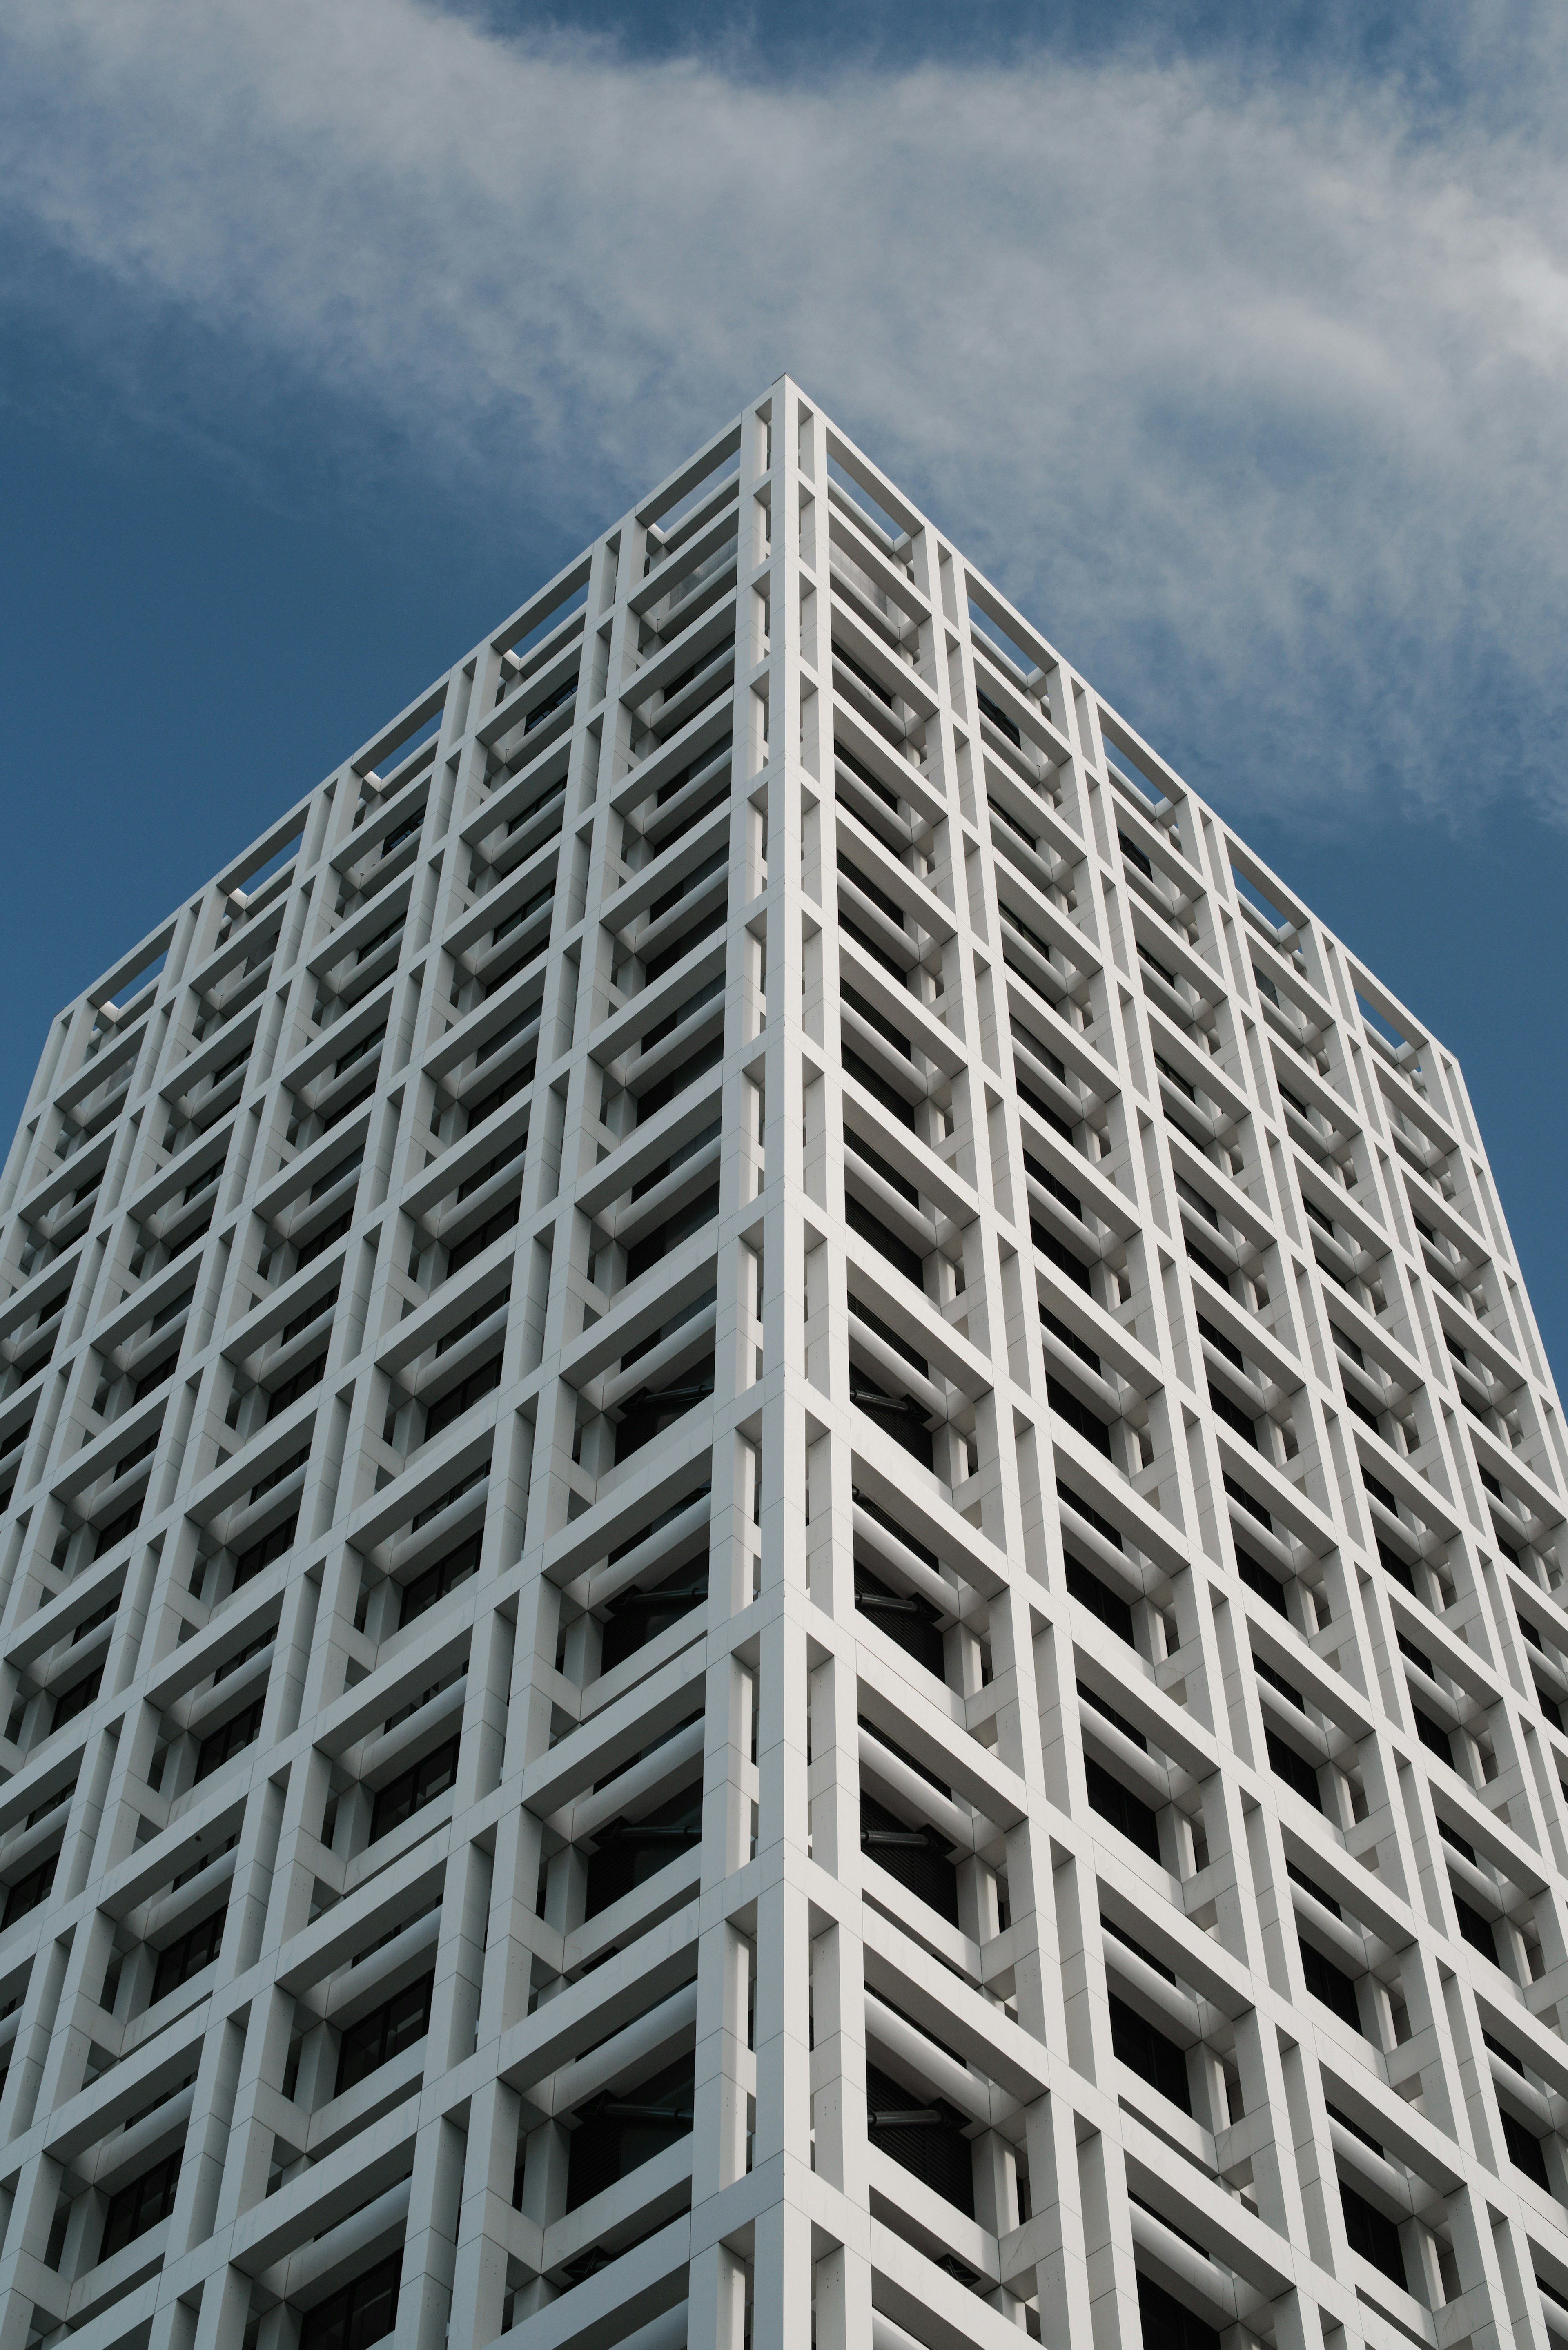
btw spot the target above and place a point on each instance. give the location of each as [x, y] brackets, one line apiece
[782, 1556]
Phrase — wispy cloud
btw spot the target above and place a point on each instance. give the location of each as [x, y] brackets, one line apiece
[1252, 395]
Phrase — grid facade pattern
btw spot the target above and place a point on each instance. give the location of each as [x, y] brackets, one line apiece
[781, 1547]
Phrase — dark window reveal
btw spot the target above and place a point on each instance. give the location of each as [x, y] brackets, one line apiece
[263, 1554]
[140, 2206]
[1476, 1928]
[219, 1746]
[195, 1949]
[917, 1858]
[384, 2034]
[1293, 1769]
[905, 1618]
[632, 1851]
[1125, 1811]
[1164, 2324]
[1376, 2237]
[425, 1589]
[636, 1616]
[1100, 1600]
[925, 2136]
[456, 1400]
[27, 1892]
[363, 2312]
[77, 1698]
[1330, 1984]
[651, 1410]
[412, 1789]
[1149, 2054]
[1526, 2152]
[618, 2132]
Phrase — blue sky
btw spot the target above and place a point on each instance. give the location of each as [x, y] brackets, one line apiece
[1234, 350]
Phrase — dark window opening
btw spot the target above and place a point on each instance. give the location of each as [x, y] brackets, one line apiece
[1234, 1418]
[870, 1227]
[1070, 1339]
[477, 1109]
[117, 1529]
[427, 1588]
[1205, 1264]
[1120, 1934]
[906, 1617]
[1107, 1711]
[1310, 1884]
[311, 1249]
[640, 1614]
[1432, 1735]
[1099, 1599]
[882, 1166]
[1221, 1343]
[618, 2132]
[999, 718]
[1078, 1415]
[412, 1789]
[1245, 1500]
[384, 2034]
[363, 2312]
[868, 946]
[1293, 1768]
[1060, 1256]
[551, 703]
[140, 2206]
[1258, 1579]
[877, 1085]
[1330, 1984]
[219, 1746]
[1392, 1564]
[917, 1858]
[1476, 1929]
[77, 1698]
[195, 1949]
[632, 1851]
[885, 1028]
[683, 1012]
[902, 1418]
[678, 948]
[658, 1243]
[1376, 2237]
[309, 1375]
[686, 1073]
[1526, 2152]
[1276, 1680]
[651, 1410]
[1126, 1812]
[474, 1244]
[27, 1892]
[1147, 2052]
[925, 2139]
[865, 676]
[271, 1546]
[1162, 2320]
[874, 891]
[1090, 1516]
[481, 1381]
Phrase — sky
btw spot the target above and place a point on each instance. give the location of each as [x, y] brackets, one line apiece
[1230, 342]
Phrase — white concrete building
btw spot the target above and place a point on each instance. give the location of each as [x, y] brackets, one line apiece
[783, 1552]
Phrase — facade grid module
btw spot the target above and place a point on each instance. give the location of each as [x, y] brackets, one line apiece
[782, 1547]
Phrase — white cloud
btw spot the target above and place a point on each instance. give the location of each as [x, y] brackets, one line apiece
[1252, 396]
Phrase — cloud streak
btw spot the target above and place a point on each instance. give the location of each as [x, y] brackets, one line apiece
[1250, 395]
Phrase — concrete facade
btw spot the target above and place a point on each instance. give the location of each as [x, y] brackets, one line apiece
[783, 1550]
